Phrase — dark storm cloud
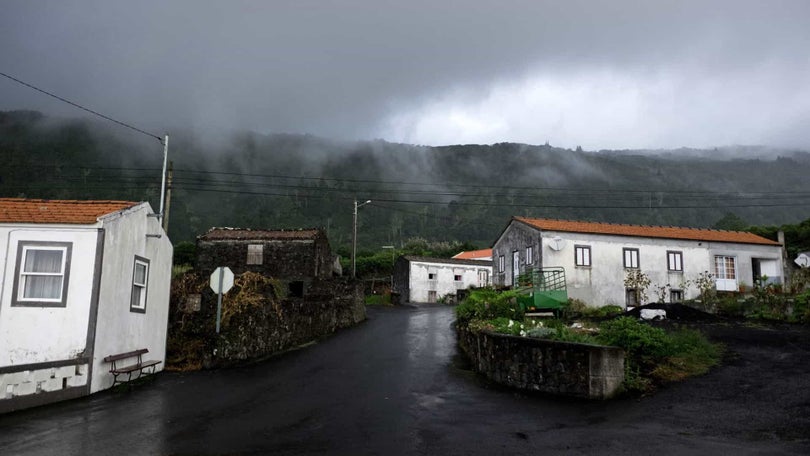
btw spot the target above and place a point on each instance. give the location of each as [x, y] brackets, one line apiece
[597, 73]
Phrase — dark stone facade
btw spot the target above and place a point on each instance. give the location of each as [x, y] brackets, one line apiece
[562, 368]
[284, 295]
[286, 254]
[515, 238]
[259, 323]
[330, 305]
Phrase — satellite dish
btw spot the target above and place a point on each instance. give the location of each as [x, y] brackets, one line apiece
[556, 243]
[803, 260]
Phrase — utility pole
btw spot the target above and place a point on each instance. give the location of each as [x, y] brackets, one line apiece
[165, 220]
[163, 179]
[354, 237]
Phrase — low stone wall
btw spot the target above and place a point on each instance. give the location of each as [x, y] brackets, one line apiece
[569, 369]
[257, 324]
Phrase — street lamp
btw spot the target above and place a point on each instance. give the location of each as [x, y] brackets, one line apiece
[392, 264]
[354, 237]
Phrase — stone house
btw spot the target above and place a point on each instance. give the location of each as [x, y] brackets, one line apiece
[295, 256]
[596, 257]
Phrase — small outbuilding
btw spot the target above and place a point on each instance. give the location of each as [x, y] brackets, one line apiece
[80, 281]
[427, 280]
[295, 256]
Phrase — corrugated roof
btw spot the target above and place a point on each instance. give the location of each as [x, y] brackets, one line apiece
[665, 232]
[218, 234]
[446, 260]
[473, 254]
[22, 210]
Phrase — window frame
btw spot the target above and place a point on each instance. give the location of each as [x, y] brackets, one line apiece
[144, 286]
[725, 267]
[673, 292]
[457, 277]
[674, 254]
[631, 251]
[255, 255]
[587, 260]
[529, 254]
[18, 289]
[501, 263]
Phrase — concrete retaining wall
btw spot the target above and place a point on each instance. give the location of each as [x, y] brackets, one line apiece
[569, 369]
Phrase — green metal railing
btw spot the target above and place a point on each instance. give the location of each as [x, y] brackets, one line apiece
[544, 289]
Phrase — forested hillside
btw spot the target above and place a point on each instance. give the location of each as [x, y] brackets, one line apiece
[453, 193]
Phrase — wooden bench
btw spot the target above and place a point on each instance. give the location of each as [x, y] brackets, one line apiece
[140, 366]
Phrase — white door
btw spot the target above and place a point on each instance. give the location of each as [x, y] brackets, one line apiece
[725, 273]
[515, 267]
[483, 278]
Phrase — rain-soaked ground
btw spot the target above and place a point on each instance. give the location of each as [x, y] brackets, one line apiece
[396, 385]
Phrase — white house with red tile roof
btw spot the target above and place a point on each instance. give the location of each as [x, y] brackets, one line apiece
[596, 257]
[79, 281]
[481, 255]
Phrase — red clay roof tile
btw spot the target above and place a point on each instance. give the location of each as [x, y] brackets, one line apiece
[473, 254]
[22, 210]
[666, 232]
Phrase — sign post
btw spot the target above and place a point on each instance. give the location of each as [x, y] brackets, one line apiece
[221, 281]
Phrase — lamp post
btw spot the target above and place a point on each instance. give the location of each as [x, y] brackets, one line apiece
[354, 237]
[391, 247]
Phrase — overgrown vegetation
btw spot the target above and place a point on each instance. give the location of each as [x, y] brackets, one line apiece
[653, 356]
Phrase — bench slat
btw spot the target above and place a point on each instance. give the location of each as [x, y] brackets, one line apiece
[131, 354]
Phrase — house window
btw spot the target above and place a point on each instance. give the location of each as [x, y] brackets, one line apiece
[255, 254]
[457, 277]
[582, 255]
[432, 276]
[529, 255]
[631, 258]
[631, 297]
[140, 280]
[725, 273]
[676, 296]
[42, 274]
[675, 261]
[501, 263]
[724, 267]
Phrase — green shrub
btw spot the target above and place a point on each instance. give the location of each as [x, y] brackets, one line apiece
[487, 304]
[655, 356]
[638, 339]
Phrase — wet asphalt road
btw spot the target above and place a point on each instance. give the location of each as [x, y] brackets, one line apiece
[392, 385]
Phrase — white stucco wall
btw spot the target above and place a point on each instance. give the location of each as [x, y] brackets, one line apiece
[119, 329]
[43, 334]
[444, 283]
[603, 282]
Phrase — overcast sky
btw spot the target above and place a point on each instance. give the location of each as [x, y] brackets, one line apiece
[600, 74]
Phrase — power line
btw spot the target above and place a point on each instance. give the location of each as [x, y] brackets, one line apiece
[82, 107]
[587, 192]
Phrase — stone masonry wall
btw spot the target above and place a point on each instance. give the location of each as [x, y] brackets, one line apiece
[285, 259]
[569, 369]
[260, 324]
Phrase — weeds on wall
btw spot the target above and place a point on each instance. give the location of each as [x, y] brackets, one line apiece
[653, 356]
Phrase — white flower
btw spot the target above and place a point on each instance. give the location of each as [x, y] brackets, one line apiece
[511, 323]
